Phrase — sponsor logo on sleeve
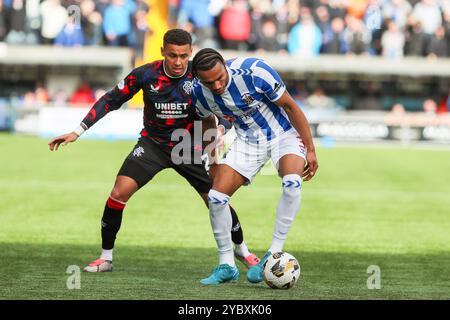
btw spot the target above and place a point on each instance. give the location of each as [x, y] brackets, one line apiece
[277, 87]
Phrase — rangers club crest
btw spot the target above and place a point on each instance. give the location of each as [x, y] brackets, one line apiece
[138, 152]
[187, 87]
[247, 98]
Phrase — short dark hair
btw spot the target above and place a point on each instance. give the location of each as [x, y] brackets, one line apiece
[177, 37]
[205, 60]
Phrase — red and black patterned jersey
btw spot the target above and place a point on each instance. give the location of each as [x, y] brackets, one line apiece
[167, 102]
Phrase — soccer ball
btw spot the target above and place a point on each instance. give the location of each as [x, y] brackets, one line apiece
[281, 271]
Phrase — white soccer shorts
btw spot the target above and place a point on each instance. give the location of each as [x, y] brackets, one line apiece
[248, 158]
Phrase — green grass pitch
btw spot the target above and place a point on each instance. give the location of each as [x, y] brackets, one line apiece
[388, 207]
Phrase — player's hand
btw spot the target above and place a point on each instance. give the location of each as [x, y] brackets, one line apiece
[62, 140]
[311, 166]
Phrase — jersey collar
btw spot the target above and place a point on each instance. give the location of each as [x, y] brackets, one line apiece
[173, 77]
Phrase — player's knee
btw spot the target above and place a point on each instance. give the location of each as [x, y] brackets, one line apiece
[292, 186]
[120, 195]
[217, 199]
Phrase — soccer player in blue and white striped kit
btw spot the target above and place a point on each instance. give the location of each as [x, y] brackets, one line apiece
[268, 124]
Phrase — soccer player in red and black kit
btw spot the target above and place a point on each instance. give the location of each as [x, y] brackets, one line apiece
[166, 86]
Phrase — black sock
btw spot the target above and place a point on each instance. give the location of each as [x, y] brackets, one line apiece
[111, 221]
[236, 230]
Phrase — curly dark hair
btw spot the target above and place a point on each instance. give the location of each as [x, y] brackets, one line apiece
[205, 60]
[178, 37]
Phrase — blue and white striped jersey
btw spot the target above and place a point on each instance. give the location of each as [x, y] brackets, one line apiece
[248, 100]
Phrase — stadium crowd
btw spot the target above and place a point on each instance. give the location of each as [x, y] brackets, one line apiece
[74, 22]
[389, 28]
[392, 28]
[308, 28]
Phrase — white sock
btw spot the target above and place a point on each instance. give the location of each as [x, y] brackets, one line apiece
[287, 209]
[241, 249]
[221, 222]
[107, 254]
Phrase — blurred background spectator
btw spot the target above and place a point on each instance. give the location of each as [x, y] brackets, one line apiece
[305, 38]
[36, 98]
[91, 23]
[235, 25]
[415, 40]
[444, 105]
[324, 24]
[195, 16]
[397, 11]
[84, 95]
[430, 106]
[17, 22]
[60, 97]
[268, 36]
[336, 44]
[398, 109]
[357, 36]
[320, 101]
[3, 26]
[117, 22]
[141, 29]
[438, 44]
[54, 17]
[428, 14]
[71, 35]
[393, 41]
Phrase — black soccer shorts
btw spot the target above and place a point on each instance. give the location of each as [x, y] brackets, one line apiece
[147, 159]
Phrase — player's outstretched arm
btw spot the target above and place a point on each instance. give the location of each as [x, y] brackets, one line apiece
[112, 100]
[62, 140]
